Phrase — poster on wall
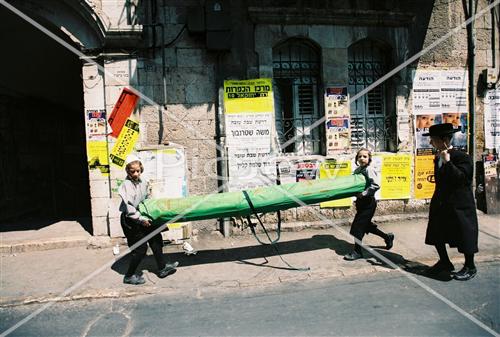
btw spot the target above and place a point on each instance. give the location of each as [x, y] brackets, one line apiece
[454, 91]
[395, 182]
[125, 143]
[426, 107]
[250, 168]
[122, 110]
[249, 118]
[424, 177]
[165, 171]
[249, 130]
[338, 119]
[96, 124]
[338, 135]
[97, 156]
[306, 170]
[491, 183]
[454, 104]
[492, 119]
[287, 171]
[332, 168]
[376, 164]
[439, 96]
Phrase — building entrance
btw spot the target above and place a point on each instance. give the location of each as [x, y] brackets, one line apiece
[43, 166]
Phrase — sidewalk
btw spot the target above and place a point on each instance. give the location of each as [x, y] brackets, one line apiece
[30, 274]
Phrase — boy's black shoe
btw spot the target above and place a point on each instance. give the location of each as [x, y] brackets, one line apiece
[389, 242]
[168, 269]
[439, 268]
[354, 255]
[134, 279]
[466, 273]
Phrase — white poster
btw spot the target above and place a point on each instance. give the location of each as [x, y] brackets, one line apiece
[165, 172]
[426, 92]
[454, 91]
[440, 96]
[492, 119]
[250, 168]
[249, 130]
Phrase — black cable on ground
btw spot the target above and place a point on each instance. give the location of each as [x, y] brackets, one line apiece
[271, 242]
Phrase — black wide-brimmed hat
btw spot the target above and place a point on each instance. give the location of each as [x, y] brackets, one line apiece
[445, 129]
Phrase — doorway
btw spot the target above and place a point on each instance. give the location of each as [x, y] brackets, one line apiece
[44, 176]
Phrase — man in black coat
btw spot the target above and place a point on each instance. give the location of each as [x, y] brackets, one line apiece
[452, 214]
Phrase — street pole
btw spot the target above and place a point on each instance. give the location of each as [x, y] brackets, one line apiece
[471, 67]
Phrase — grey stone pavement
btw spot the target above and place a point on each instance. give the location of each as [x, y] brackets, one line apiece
[37, 266]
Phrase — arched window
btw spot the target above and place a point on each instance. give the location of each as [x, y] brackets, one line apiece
[296, 77]
[371, 121]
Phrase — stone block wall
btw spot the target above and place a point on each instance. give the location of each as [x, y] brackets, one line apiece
[452, 53]
[181, 103]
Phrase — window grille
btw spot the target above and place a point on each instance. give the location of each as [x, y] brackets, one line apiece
[296, 73]
[370, 123]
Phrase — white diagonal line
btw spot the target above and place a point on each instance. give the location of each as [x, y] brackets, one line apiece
[381, 257]
[403, 65]
[73, 50]
[90, 60]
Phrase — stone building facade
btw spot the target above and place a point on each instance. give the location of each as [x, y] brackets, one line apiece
[177, 53]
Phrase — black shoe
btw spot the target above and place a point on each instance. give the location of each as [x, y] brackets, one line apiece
[168, 269]
[134, 279]
[354, 255]
[466, 273]
[389, 241]
[440, 268]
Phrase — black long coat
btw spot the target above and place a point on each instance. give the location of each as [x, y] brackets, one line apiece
[452, 214]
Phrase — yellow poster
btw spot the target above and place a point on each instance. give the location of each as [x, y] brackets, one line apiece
[97, 155]
[125, 143]
[332, 169]
[395, 182]
[248, 96]
[424, 177]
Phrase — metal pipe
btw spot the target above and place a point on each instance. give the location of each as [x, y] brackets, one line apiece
[222, 175]
[153, 24]
[493, 38]
[471, 67]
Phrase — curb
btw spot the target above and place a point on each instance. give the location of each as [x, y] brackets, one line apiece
[91, 242]
[30, 246]
[219, 287]
[320, 225]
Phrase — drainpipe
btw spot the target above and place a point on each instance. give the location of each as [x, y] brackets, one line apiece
[164, 82]
[222, 174]
[471, 67]
[493, 38]
[153, 25]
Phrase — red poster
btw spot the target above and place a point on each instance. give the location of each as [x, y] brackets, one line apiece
[122, 110]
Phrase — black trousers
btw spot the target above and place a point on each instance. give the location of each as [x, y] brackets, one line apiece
[362, 223]
[134, 232]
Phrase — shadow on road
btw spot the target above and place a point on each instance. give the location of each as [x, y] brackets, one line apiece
[409, 266]
[243, 254]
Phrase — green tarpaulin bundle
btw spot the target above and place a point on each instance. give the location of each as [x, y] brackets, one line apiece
[264, 199]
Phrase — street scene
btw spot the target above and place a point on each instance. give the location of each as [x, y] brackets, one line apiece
[253, 168]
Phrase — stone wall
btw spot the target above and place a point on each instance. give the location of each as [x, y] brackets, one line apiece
[182, 99]
[452, 53]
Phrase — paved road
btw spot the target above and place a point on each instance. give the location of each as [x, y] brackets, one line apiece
[382, 304]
